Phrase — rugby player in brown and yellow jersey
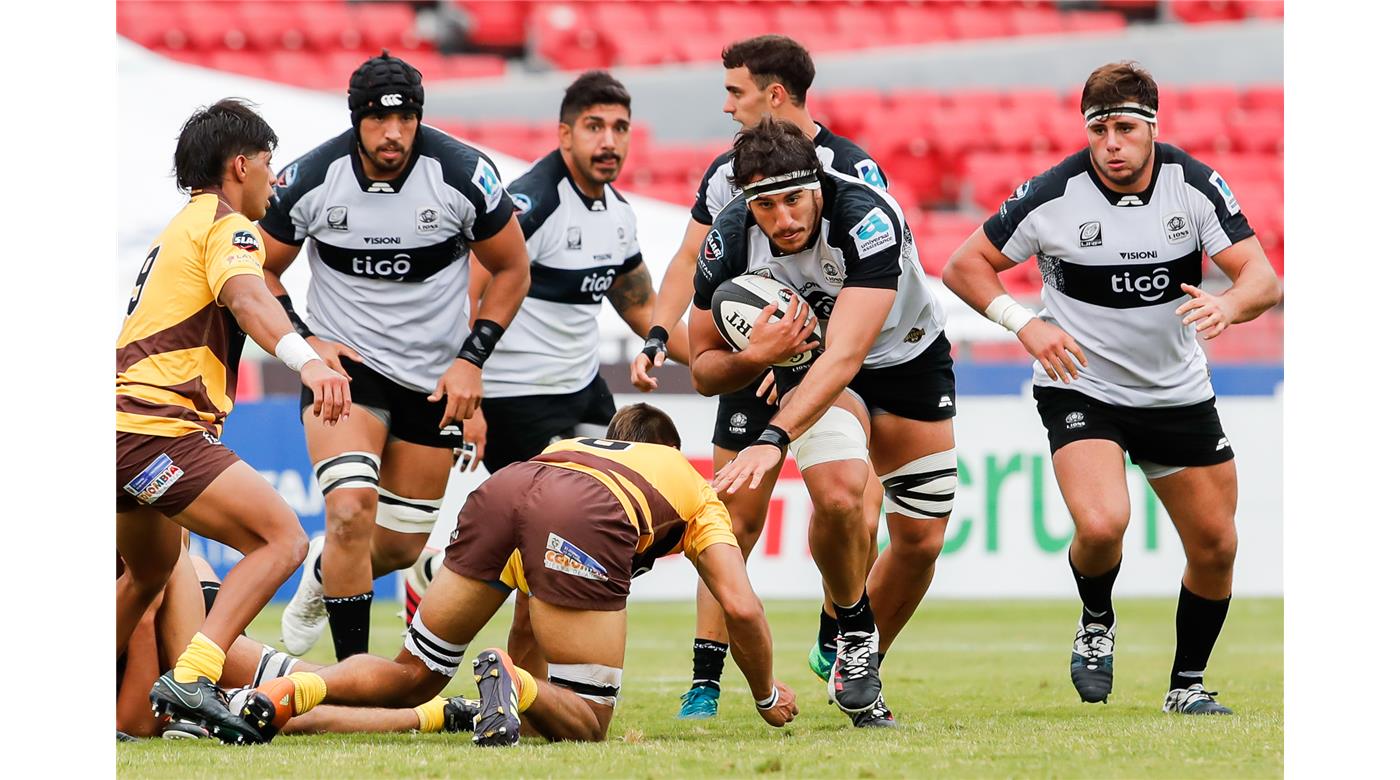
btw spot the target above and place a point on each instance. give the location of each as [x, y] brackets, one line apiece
[571, 527]
[198, 292]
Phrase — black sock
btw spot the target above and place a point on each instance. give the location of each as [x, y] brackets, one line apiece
[827, 631]
[1198, 624]
[856, 617]
[349, 618]
[1097, 593]
[708, 663]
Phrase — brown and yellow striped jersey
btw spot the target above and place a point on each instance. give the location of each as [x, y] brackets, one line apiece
[178, 350]
[673, 508]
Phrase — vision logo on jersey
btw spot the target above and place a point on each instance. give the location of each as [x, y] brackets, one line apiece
[338, 218]
[428, 220]
[245, 240]
[561, 555]
[488, 182]
[154, 480]
[869, 172]
[1090, 234]
[1231, 204]
[522, 202]
[873, 233]
[1177, 227]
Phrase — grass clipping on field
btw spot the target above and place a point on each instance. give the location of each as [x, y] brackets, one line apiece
[978, 688]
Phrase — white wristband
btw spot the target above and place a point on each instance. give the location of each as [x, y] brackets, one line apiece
[768, 703]
[1006, 312]
[293, 350]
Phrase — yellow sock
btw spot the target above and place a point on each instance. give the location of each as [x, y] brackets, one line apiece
[430, 715]
[202, 658]
[310, 690]
[529, 689]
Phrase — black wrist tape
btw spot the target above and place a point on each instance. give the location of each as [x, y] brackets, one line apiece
[481, 342]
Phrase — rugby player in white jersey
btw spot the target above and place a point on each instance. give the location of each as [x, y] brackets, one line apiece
[1118, 230]
[881, 393]
[391, 208]
[542, 383]
[768, 75]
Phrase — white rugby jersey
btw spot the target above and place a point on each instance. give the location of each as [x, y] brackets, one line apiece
[1114, 264]
[578, 245]
[388, 258]
[836, 152]
[863, 242]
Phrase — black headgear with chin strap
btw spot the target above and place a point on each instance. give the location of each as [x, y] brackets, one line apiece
[382, 84]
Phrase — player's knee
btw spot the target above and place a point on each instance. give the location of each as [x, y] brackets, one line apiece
[350, 515]
[919, 549]
[839, 495]
[1215, 554]
[1100, 526]
[746, 531]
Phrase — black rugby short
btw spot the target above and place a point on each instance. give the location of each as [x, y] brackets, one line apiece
[411, 416]
[741, 417]
[922, 388]
[1166, 436]
[520, 427]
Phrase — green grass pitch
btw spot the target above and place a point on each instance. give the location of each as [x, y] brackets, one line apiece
[980, 689]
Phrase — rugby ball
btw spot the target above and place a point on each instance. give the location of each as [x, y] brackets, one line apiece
[737, 303]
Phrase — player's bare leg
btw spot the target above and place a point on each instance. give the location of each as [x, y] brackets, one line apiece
[1201, 501]
[748, 511]
[524, 649]
[577, 643]
[149, 545]
[138, 673]
[341, 571]
[1094, 484]
[823, 653]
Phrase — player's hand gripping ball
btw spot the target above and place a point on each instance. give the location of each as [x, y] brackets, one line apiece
[738, 302]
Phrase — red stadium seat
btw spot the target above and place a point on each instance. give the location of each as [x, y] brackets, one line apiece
[978, 22]
[1201, 133]
[979, 100]
[919, 24]
[1034, 21]
[387, 26]
[1257, 131]
[741, 20]
[326, 26]
[1222, 99]
[866, 24]
[618, 19]
[301, 68]
[212, 26]
[1041, 103]
[150, 24]
[498, 23]
[269, 25]
[1266, 9]
[1093, 21]
[1263, 98]
[673, 19]
[1205, 11]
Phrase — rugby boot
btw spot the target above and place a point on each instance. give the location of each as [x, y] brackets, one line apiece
[819, 660]
[877, 717]
[304, 617]
[203, 704]
[266, 708]
[459, 714]
[122, 736]
[854, 684]
[1091, 661]
[1195, 700]
[699, 703]
[497, 722]
[183, 729]
[416, 579]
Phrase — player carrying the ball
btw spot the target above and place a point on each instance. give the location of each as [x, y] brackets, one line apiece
[884, 378]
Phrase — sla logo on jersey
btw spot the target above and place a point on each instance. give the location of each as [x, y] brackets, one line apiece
[245, 240]
[1090, 234]
[390, 100]
[288, 176]
[428, 220]
[154, 480]
[830, 272]
[522, 202]
[338, 218]
[574, 236]
[488, 182]
[561, 555]
[869, 172]
[1150, 287]
[1074, 420]
[873, 233]
[1178, 229]
[1231, 204]
[714, 247]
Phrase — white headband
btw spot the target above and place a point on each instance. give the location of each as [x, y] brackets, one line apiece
[784, 182]
[1136, 110]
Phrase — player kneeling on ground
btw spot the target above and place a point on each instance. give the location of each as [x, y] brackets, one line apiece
[570, 527]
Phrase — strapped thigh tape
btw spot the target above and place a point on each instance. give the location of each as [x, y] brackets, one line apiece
[348, 470]
[438, 655]
[594, 682]
[837, 435]
[923, 488]
[407, 515]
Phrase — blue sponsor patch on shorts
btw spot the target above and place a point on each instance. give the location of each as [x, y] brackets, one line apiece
[563, 556]
[154, 480]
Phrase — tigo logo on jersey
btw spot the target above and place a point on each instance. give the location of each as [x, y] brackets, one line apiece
[428, 220]
[488, 182]
[338, 218]
[561, 555]
[154, 480]
[245, 240]
[869, 172]
[1231, 204]
[873, 233]
[1074, 420]
[1090, 234]
[1178, 229]
[1149, 288]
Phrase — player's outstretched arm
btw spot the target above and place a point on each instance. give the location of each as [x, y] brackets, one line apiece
[721, 566]
[266, 323]
[1255, 290]
[971, 274]
[677, 288]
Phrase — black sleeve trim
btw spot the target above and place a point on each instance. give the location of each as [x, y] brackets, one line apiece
[1198, 176]
[459, 162]
[630, 264]
[301, 176]
[700, 212]
[535, 195]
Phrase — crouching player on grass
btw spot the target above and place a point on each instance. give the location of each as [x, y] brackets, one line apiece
[570, 527]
